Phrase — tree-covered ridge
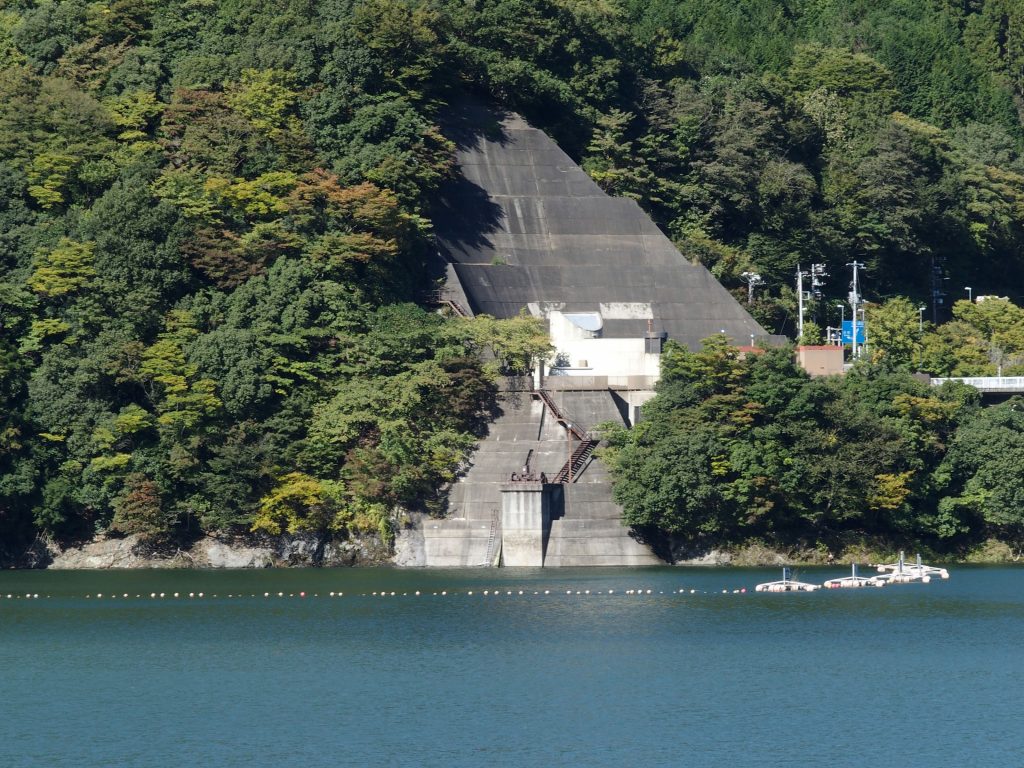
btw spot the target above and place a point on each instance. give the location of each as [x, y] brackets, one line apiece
[797, 132]
[739, 447]
[214, 217]
[213, 242]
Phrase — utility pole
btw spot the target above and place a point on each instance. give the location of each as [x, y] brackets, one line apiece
[800, 275]
[817, 275]
[752, 279]
[854, 301]
[938, 291]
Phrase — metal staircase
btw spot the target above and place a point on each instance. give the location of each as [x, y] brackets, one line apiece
[570, 471]
[440, 299]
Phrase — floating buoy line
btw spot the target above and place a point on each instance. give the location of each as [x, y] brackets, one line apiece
[899, 572]
[191, 596]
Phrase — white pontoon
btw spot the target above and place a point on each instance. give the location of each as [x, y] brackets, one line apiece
[854, 581]
[901, 573]
[786, 584]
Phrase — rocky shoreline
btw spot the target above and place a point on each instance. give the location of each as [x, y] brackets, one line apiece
[288, 551]
[313, 551]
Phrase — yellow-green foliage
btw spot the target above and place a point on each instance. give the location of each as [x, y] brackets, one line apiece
[110, 463]
[40, 331]
[183, 398]
[133, 112]
[132, 419]
[64, 269]
[48, 175]
[300, 502]
[889, 490]
[265, 98]
[516, 343]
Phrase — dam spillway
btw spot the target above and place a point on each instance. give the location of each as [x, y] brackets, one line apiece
[523, 228]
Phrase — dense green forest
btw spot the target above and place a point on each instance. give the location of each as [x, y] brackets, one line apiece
[214, 221]
[740, 447]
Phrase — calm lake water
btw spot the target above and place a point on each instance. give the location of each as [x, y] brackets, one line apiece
[924, 674]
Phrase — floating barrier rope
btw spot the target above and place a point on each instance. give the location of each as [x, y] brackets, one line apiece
[489, 592]
[191, 596]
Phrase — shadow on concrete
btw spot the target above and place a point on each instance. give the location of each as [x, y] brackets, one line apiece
[464, 215]
[468, 122]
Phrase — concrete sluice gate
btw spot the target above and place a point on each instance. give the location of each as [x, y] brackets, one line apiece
[522, 227]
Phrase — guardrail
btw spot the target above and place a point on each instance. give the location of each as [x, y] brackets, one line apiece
[585, 383]
[986, 383]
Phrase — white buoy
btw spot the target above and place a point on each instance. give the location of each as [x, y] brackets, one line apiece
[470, 592]
[547, 592]
[443, 594]
[200, 594]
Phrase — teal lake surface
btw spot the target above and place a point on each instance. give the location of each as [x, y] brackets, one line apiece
[929, 675]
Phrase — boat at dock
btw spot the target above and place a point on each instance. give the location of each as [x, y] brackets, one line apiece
[854, 581]
[786, 584]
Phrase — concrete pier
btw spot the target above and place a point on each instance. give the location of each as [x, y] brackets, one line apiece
[525, 523]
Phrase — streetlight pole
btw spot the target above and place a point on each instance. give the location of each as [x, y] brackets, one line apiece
[800, 304]
[864, 325]
[854, 301]
[920, 318]
[970, 293]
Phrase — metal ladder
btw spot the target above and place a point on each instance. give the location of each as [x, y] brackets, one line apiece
[492, 537]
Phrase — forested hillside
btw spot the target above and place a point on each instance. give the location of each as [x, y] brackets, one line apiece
[737, 448]
[214, 218]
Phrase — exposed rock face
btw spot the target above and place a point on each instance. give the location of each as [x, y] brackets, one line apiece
[410, 547]
[304, 550]
[711, 557]
[103, 553]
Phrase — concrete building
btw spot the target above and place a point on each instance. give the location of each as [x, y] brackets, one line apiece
[523, 228]
[821, 360]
